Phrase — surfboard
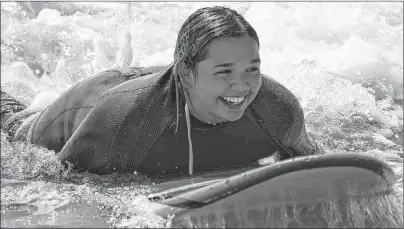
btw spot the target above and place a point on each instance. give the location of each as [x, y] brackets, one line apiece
[311, 191]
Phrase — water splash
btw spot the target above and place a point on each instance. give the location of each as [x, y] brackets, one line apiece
[25, 161]
[101, 61]
[35, 186]
[347, 86]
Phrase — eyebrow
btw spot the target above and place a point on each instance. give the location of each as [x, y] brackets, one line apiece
[258, 60]
[231, 64]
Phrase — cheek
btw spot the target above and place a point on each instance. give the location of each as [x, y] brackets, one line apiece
[211, 94]
[255, 83]
[211, 89]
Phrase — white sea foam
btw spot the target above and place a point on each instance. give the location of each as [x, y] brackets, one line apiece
[343, 61]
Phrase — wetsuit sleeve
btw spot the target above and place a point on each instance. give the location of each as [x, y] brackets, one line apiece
[91, 147]
[298, 139]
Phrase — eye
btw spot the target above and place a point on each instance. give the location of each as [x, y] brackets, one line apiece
[223, 73]
[253, 69]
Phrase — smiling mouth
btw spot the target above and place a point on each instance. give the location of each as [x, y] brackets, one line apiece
[233, 100]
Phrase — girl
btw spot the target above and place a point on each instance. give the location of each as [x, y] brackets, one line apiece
[208, 110]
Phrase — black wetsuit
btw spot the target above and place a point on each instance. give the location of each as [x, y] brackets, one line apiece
[110, 123]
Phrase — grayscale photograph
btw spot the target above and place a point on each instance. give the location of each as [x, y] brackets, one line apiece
[201, 114]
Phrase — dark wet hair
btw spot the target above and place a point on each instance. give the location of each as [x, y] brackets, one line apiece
[201, 28]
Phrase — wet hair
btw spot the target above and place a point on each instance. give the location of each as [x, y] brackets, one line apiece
[194, 37]
[201, 28]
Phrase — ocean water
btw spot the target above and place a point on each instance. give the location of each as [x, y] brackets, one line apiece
[344, 62]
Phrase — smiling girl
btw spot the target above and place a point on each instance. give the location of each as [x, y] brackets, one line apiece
[209, 110]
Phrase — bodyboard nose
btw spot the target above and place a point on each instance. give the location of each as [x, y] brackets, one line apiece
[327, 190]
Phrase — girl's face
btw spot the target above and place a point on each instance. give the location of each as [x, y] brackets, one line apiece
[227, 81]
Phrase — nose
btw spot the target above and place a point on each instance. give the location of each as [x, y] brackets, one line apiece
[240, 87]
[240, 83]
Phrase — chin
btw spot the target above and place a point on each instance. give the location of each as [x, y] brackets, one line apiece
[232, 117]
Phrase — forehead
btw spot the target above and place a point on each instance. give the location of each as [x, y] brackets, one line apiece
[232, 49]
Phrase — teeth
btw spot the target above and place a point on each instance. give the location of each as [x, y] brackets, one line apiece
[234, 99]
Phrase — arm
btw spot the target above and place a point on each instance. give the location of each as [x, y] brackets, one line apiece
[297, 143]
[110, 138]
[91, 147]
[282, 119]
[298, 140]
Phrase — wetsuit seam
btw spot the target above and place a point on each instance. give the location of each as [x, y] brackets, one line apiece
[150, 85]
[132, 90]
[36, 121]
[57, 118]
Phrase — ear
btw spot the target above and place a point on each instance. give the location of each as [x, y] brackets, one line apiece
[187, 76]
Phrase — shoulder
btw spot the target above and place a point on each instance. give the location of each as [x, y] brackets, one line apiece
[138, 95]
[275, 95]
[282, 116]
[143, 83]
